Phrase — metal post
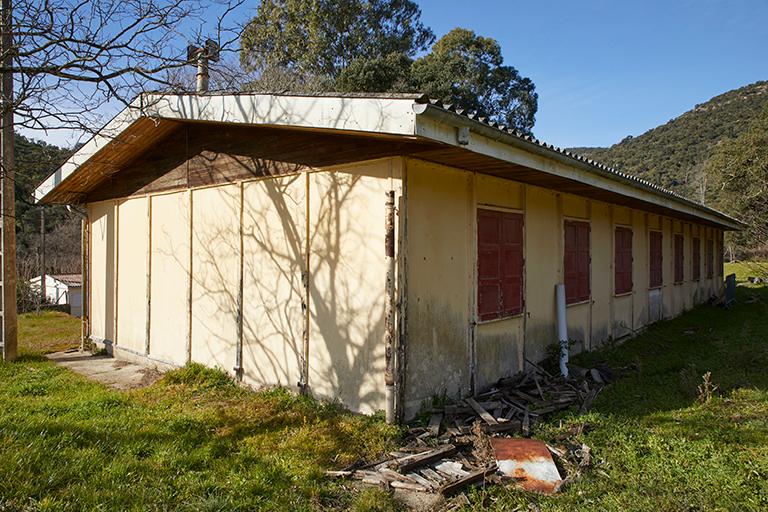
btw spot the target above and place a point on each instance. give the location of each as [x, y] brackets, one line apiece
[43, 290]
[389, 306]
[202, 71]
[7, 193]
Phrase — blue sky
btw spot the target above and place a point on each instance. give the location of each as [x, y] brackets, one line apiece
[607, 69]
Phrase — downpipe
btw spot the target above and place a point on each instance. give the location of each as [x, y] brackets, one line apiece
[389, 306]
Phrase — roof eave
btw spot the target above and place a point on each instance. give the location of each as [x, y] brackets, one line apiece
[426, 112]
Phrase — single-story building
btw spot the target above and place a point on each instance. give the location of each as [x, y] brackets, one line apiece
[367, 247]
[62, 289]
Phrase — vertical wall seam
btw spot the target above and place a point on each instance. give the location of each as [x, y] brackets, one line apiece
[524, 323]
[472, 261]
[402, 289]
[304, 384]
[239, 348]
[612, 272]
[189, 274]
[149, 275]
[116, 272]
[591, 276]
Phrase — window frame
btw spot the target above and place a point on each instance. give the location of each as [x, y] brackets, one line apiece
[678, 258]
[710, 258]
[616, 254]
[503, 312]
[580, 298]
[651, 283]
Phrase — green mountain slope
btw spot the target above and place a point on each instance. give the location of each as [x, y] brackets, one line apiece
[674, 155]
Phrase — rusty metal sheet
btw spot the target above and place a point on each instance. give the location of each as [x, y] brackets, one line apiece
[529, 462]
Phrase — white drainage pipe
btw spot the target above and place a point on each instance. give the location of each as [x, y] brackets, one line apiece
[562, 329]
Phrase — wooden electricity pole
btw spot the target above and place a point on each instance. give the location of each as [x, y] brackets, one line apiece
[7, 195]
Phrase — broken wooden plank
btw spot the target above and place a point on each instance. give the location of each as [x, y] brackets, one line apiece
[473, 477]
[339, 474]
[504, 427]
[451, 468]
[412, 462]
[397, 484]
[432, 475]
[481, 412]
[422, 481]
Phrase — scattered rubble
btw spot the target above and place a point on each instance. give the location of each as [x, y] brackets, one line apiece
[468, 442]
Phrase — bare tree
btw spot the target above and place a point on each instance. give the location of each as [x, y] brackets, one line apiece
[73, 57]
[67, 65]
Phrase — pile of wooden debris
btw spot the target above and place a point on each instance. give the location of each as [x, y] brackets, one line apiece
[456, 448]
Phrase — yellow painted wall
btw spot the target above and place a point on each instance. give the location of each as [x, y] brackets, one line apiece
[443, 344]
[215, 279]
[543, 269]
[348, 277]
[499, 347]
[133, 244]
[102, 219]
[438, 292]
[169, 316]
[273, 261]
[437, 210]
[601, 240]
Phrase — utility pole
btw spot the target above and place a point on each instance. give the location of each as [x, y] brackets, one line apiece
[43, 290]
[7, 194]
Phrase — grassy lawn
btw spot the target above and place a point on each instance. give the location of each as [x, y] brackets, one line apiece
[194, 441]
[50, 331]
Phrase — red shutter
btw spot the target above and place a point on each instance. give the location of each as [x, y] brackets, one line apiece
[656, 278]
[488, 264]
[679, 277]
[710, 258]
[622, 262]
[512, 266]
[576, 261]
[499, 264]
[696, 259]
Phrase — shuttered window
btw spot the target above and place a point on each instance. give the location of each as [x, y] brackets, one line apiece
[710, 258]
[679, 269]
[622, 260]
[656, 277]
[696, 258]
[499, 264]
[576, 261]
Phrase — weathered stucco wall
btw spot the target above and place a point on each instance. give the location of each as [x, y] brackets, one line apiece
[132, 244]
[348, 275]
[326, 228]
[102, 285]
[274, 213]
[450, 351]
[195, 246]
[438, 291]
[169, 314]
[215, 275]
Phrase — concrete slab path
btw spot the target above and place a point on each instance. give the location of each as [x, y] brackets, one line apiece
[112, 372]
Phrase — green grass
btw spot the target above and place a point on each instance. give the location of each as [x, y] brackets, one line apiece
[656, 447]
[50, 331]
[195, 441]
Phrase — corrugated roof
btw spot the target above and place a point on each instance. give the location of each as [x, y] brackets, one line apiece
[456, 109]
[69, 279]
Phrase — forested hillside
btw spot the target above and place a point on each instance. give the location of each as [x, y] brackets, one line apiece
[675, 155]
[34, 161]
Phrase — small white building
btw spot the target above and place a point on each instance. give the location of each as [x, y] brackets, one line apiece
[63, 289]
